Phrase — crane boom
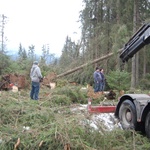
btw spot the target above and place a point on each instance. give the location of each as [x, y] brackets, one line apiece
[136, 42]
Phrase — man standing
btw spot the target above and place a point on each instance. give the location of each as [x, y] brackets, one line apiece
[102, 83]
[36, 76]
[97, 80]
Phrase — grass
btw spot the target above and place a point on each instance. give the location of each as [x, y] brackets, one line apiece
[49, 124]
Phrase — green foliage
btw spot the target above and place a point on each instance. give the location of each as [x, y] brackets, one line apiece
[144, 84]
[119, 35]
[61, 82]
[15, 67]
[118, 80]
[86, 76]
[61, 100]
[4, 63]
[69, 94]
[64, 129]
[19, 67]
[43, 125]
[22, 53]
[70, 57]
[83, 76]
[31, 52]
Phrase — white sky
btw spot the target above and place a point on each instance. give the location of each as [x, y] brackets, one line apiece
[41, 22]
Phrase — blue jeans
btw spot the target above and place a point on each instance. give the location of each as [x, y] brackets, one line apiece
[35, 88]
[102, 86]
[96, 87]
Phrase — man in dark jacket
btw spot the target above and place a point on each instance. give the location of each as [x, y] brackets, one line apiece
[36, 76]
[97, 80]
[102, 83]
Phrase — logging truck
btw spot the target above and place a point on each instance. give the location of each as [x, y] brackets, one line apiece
[133, 110]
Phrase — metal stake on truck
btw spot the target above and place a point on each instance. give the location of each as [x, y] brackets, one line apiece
[133, 110]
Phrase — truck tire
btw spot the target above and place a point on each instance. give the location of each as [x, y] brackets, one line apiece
[147, 125]
[127, 115]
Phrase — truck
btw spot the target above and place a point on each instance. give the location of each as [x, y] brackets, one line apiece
[133, 110]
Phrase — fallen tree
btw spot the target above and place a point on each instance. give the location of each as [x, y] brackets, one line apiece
[87, 64]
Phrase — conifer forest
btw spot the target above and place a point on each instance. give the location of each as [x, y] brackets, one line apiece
[60, 120]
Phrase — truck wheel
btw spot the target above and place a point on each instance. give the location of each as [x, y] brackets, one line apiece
[127, 115]
[147, 125]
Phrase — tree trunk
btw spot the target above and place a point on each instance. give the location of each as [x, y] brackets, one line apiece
[135, 57]
[137, 54]
[144, 63]
[133, 73]
[86, 64]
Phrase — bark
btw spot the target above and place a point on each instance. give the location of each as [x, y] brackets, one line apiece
[133, 76]
[137, 54]
[144, 63]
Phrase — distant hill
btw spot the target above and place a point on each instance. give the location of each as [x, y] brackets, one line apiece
[12, 53]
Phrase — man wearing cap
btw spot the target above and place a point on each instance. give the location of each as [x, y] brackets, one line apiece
[36, 76]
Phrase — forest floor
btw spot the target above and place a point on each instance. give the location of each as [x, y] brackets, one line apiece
[54, 122]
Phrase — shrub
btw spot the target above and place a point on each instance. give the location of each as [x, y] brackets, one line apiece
[118, 80]
[61, 100]
[145, 83]
[73, 93]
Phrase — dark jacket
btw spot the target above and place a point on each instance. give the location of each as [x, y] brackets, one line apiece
[103, 77]
[97, 76]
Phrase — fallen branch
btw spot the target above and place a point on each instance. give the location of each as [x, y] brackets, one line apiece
[17, 144]
[41, 143]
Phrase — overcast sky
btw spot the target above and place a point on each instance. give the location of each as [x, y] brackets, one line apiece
[41, 22]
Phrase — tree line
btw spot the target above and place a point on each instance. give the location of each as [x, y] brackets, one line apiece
[106, 25]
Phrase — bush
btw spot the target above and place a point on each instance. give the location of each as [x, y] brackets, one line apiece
[71, 92]
[145, 83]
[61, 100]
[118, 80]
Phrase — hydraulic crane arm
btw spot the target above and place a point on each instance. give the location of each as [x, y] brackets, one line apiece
[136, 42]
